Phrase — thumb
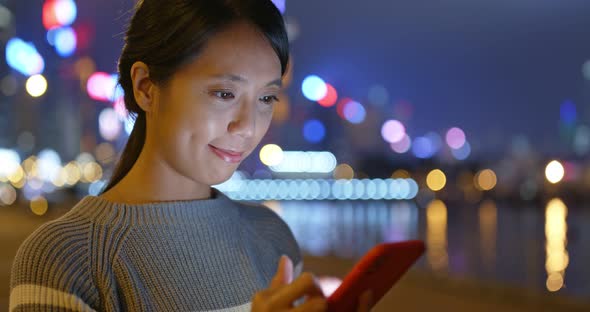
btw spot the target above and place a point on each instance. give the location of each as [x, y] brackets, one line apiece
[284, 273]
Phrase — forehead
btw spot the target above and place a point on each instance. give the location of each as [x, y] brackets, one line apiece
[240, 50]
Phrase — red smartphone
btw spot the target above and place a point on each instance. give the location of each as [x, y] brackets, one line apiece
[378, 270]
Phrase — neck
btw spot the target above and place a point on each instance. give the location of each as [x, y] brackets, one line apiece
[152, 179]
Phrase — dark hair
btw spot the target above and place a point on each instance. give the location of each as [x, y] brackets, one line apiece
[168, 34]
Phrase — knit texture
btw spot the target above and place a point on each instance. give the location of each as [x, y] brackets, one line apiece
[194, 255]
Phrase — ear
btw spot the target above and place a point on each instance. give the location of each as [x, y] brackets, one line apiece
[143, 87]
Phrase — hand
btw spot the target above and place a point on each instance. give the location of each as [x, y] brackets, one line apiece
[281, 293]
[365, 302]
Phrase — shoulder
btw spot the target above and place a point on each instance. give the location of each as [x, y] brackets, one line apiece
[54, 258]
[271, 226]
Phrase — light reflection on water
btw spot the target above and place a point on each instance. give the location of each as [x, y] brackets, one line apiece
[524, 246]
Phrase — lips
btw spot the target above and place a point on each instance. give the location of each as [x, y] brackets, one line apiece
[227, 155]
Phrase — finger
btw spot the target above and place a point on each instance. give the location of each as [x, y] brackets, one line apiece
[313, 304]
[284, 273]
[365, 301]
[305, 284]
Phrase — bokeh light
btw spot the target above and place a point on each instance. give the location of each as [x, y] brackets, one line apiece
[378, 95]
[462, 153]
[73, 173]
[455, 138]
[309, 162]
[23, 57]
[109, 125]
[238, 187]
[557, 257]
[554, 172]
[65, 41]
[48, 164]
[343, 172]
[354, 112]
[314, 88]
[314, 131]
[30, 166]
[403, 145]
[330, 98]
[568, 112]
[58, 13]
[17, 178]
[340, 106]
[51, 35]
[49, 15]
[554, 282]
[400, 174]
[271, 155]
[436, 180]
[10, 161]
[423, 148]
[393, 131]
[36, 85]
[66, 12]
[102, 87]
[486, 180]
[39, 205]
[91, 172]
[8, 194]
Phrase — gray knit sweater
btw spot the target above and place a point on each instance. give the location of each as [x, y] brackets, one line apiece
[195, 255]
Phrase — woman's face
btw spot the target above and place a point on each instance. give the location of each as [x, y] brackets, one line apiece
[214, 111]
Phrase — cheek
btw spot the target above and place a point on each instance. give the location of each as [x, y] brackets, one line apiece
[199, 121]
[262, 126]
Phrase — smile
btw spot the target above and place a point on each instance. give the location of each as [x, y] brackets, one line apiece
[227, 156]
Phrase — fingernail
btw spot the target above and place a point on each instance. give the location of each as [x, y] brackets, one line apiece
[287, 269]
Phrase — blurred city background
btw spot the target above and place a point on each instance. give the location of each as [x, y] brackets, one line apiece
[462, 123]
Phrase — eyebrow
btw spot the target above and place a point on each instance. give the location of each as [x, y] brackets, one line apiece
[237, 78]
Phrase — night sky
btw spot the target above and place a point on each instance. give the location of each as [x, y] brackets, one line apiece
[497, 69]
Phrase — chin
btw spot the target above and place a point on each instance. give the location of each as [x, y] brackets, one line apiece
[220, 177]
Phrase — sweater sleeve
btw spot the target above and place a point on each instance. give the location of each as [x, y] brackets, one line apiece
[52, 270]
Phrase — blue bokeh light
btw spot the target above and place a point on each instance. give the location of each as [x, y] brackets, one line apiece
[354, 112]
[314, 131]
[423, 148]
[463, 152]
[314, 88]
[568, 112]
[23, 57]
[65, 41]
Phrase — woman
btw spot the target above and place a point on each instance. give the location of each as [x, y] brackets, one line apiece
[201, 77]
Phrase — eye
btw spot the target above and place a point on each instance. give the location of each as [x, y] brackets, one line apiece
[269, 99]
[224, 95]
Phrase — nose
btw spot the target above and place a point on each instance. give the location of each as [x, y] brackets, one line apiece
[244, 121]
